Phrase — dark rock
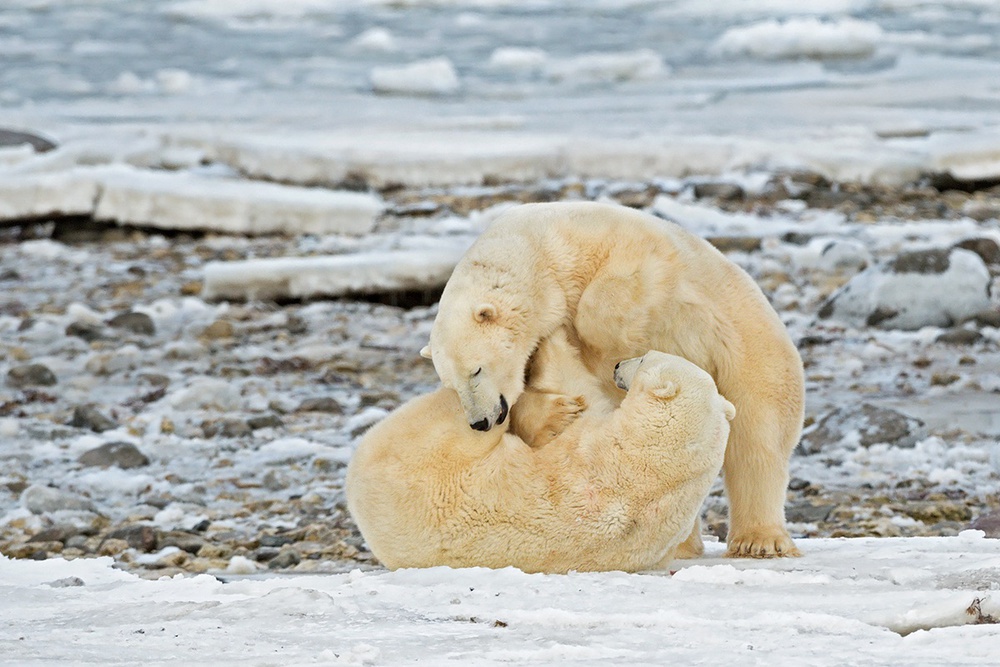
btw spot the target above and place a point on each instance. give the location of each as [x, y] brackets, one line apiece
[935, 512]
[960, 337]
[137, 323]
[121, 454]
[987, 318]
[324, 404]
[798, 484]
[880, 315]
[986, 248]
[287, 557]
[88, 331]
[797, 238]
[57, 533]
[183, 540]
[227, 428]
[874, 424]
[921, 261]
[735, 243]
[808, 512]
[264, 421]
[141, 537]
[989, 523]
[202, 526]
[265, 554]
[88, 416]
[9, 274]
[31, 375]
[275, 540]
[724, 191]
[16, 138]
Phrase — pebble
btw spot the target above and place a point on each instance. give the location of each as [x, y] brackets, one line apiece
[874, 423]
[88, 331]
[218, 330]
[137, 323]
[31, 375]
[89, 417]
[142, 537]
[58, 533]
[322, 404]
[287, 557]
[989, 523]
[113, 547]
[960, 337]
[123, 455]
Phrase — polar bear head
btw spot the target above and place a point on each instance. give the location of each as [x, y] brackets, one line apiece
[480, 349]
[662, 376]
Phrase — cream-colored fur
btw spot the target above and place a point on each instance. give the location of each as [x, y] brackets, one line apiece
[615, 490]
[623, 282]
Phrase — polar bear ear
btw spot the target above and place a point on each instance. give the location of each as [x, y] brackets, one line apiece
[425, 351]
[485, 312]
[729, 409]
[667, 391]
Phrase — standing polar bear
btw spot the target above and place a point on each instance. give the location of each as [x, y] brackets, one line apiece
[623, 282]
[615, 490]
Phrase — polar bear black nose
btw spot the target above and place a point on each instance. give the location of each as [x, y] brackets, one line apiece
[481, 425]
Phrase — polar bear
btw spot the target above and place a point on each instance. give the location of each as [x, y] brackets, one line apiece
[623, 282]
[615, 490]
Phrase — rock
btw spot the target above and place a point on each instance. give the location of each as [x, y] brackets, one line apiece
[287, 557]
[724, 191]
[935, 512]
[16, 138]
[944, 379]
[142, 537]
[119, 454]
[988, 318]
[872, 423]
[58, 533]
[265, 421]
[986, 248]
[88, 416]
[31, 375]
[88, 331]
[323, 404]
[735, 243]
[227, 428]
[113, 547]
[137, 323]
[183, 540]
[275, 540]
[805, 512]
[66, 582]
[218, 330]
[39, 499]
[960, 337]
[914, 290]
[989, 523]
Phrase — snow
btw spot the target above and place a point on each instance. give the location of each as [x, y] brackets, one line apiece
[591, 68]
[877, 601]
[435, 76]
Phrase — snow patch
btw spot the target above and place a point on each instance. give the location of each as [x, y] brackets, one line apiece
[801, 38]
[435, 76]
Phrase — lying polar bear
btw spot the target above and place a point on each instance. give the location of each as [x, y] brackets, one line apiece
[623, 282]
[615, 490]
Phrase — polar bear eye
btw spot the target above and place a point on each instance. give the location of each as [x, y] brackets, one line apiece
[477, 371]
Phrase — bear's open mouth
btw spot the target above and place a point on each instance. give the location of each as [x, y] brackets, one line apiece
[504, 409]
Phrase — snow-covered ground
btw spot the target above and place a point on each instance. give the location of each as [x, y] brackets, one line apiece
[160, 418]
[899, 601]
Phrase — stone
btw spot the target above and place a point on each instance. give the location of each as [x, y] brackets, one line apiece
[119, 454]
[728, 244]
[264, 421]
[183, 540]
[39, 499]
[139, 536]
[914, 290]
[218, 330]
[58, 533]
[935, 512]
[89, 417]
[227, 428]
[874, 425]
[88, 331]
[989, 523]
[113, 547]
[137, 323]
[322, 404]
[986, 248]
[988, 318]
[808, 512]
[960, 337]
[66, 582]
[287, 557]
[31, 375]
[724, 191]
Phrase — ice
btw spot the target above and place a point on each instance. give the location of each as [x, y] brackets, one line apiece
[303, 278]
[802, 38]
[518, 58]
[41, 195]
[375, 39]
[435, 76]
[186, 201]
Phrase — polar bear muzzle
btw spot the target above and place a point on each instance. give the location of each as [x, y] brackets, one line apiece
[484, 423]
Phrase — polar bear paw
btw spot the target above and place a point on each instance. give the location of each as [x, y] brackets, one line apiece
[761, 542]
[539, 417]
